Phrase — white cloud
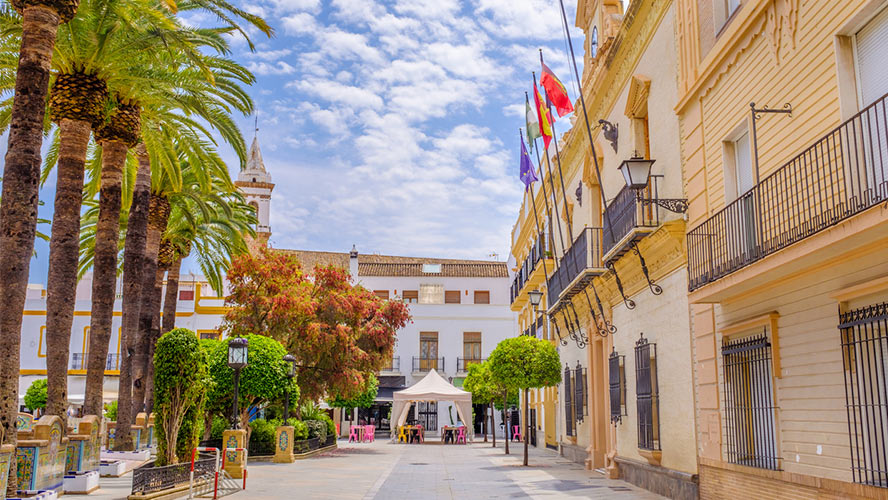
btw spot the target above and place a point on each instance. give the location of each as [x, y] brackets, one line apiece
[271, 55]
[332, 91]
[264, 68]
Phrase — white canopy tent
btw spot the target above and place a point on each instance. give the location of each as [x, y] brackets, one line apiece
[433, 387]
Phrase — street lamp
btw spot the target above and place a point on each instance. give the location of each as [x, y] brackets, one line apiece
[535, 297]
[637, 172]
[237, 359]
[291, 372]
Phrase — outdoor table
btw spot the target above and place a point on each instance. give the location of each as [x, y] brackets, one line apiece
[450, 434]
[413, 433]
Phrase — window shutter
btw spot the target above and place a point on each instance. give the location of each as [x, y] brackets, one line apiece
[382, 294]
[872, 45]
[615, 379]
[410, 295]
[451, 297]
[568, 407]
[580, 392]
[482, 297]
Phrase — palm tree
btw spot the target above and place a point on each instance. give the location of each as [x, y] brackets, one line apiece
[18, 213]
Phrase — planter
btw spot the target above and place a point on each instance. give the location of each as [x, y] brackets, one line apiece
[82, 484]
[36, 495]
[112, 468]
[139, 456]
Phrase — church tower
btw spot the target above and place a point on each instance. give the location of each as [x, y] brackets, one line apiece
[255, 184]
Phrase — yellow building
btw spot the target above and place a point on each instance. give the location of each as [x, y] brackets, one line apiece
[787, 243]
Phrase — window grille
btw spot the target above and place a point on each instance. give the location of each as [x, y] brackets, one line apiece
[865, 354]
[580, 399]
[617, 377]
[647, 394]
[750, 412]
[568, 403]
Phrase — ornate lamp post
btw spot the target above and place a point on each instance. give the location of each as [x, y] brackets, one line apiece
[535, 297]
[637, 174]
[291, 372]
[237, 359]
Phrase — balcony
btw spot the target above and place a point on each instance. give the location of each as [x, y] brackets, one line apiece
[629, 218]
[422, 365]
[79, 361]
[394, 365]
[582, 262]
[842, 174]
[530, 272]
[463, 364]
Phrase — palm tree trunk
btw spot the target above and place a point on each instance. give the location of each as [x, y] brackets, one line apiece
[133, 266]
[18, 212]
[145, 371]
[64, 246]
[104, 284]
[171, 298]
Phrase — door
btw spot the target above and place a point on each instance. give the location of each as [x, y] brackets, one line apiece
[428, 351]
[745, 179]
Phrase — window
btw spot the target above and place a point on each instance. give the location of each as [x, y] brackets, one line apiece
[749, 402]
[617, 379]
[427, 415]
[410, 296]
[580, 396]
[209, 334]
[451, 297]
[647, 395]
[428, 351]
[568, 403]
[722, 10]
[871, 44]
[186, 294]
[431, 294]
[740, 178]
[865, 353]
[382, 294]
[482, 297]
[431, 268]
[471, 346]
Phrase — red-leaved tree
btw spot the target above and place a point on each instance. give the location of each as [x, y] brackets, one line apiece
[339, 333]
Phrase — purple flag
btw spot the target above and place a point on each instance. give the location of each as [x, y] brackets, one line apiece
[527, 175]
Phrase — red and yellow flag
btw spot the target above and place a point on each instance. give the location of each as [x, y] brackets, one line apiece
[544, 116]
[556, 91]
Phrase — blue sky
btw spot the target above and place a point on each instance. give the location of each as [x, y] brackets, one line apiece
[393, 125]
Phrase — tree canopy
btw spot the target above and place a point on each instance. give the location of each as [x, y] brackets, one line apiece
[338, 333]
[364, 399]
[35, 396]
[525, 363]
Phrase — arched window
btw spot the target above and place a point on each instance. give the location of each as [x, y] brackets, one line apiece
[593, 45]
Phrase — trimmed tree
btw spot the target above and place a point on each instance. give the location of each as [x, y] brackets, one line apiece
[523, 363]
[483, 392]
[35, 396]
[180, 385]
[261, 382]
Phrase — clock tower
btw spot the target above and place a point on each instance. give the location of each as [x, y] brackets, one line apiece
[256, 186]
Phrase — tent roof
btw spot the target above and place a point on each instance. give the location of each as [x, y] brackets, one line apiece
[432, 387]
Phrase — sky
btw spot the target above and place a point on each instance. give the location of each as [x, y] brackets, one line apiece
[392, 125]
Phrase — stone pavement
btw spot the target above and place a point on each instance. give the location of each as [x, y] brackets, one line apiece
[387, 471]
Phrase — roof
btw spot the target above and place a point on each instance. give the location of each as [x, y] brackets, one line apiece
[390, 265]
[432, 387]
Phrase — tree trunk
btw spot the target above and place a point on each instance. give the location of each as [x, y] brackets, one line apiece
[484, 426]
[64, 248]
[145, 393]
[492, 424]
[18, 211]
[104, 284]
[526, 433]
[507, 420]
[133, 266]
[171, 298]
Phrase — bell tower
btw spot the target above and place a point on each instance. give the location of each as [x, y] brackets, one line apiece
[255, 184]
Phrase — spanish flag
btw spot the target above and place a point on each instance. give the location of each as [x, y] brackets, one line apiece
[556, 91]
[544, 116]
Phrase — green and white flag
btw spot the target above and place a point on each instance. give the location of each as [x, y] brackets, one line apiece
[533, 124]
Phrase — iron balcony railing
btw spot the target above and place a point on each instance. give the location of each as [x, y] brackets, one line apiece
[394, 365]
[581, 263]
[79, 361]
[426, 364]
[528, 266]
[463, 364]
[626, 214]
[842, 174]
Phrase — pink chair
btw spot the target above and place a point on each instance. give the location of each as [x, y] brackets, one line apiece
[516, 433]
[353, 434]
[368, 433]
[461, 435]
[420, 434]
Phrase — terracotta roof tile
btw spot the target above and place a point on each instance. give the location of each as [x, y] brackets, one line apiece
[390, 265]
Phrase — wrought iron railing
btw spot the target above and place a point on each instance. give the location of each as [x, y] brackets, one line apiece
[79, 361]
[582, 259]
[394, 365]
[426, 364]
[463, 364]
[842, 174]
[150, 479]
[629, 211]
[537, 252]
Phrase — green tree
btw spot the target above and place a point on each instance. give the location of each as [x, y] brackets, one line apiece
[181, 383]
[35, 396]
[363, 400]
[484, 392]
[261, 382]
[522, 363]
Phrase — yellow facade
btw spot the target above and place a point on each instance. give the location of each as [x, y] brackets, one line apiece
[789, 262]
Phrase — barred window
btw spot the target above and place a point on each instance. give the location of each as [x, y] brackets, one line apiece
[568, 404]
[750, 418]
[617, 377]
[865, 354]
[581, 401]
[647, 394]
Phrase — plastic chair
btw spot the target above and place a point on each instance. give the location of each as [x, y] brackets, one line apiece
[516, 433]
[420, 434]
[368, 433]
[461, 435]
[372, 433]
[353, 434]
[402, 434]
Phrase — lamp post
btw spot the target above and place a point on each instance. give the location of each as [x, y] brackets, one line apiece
[536, 297]
[291, 372]
[637, 174]
[237, 359]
